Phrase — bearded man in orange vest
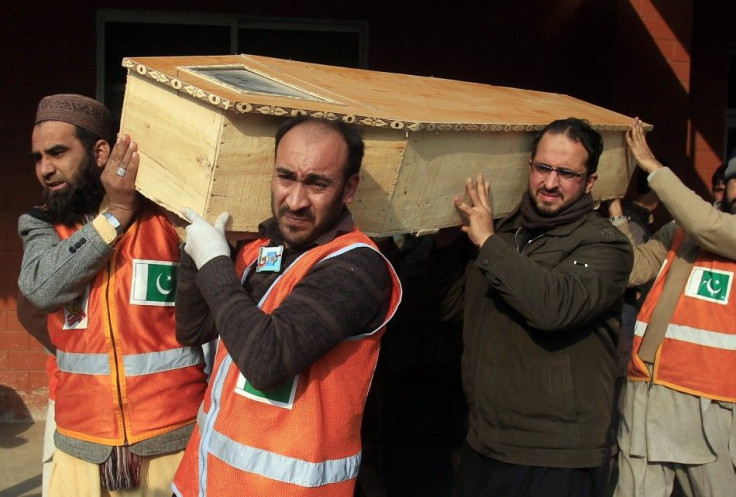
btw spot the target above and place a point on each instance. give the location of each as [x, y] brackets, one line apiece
[102, 262]
[678, 405]
[299, 313]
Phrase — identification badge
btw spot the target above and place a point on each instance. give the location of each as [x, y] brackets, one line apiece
[76, 312]
[269, 259]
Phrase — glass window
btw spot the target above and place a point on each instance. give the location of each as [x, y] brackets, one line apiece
[144, 34]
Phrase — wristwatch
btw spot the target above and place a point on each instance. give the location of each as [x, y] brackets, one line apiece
[114, 222]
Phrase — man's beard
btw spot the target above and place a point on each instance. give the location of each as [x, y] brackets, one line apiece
[298, 239]
[544, 211]
[80, 199]
[728, 205]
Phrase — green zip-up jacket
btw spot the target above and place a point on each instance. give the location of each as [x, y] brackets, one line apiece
[541, 325]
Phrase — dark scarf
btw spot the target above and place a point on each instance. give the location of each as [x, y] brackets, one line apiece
[532, 221]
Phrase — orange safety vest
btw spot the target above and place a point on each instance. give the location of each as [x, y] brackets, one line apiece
[300, 440]
[122, 376]
[699, 349]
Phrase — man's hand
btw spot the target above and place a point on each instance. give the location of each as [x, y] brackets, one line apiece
[118, 179]
[638, 145]
[478, 217]
[205, 242]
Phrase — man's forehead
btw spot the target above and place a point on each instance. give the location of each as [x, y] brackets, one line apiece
[559, 144]
[312, 134]
[550, 139]
[49, 133]
[307, 172]
[306, 149]
[54, 128]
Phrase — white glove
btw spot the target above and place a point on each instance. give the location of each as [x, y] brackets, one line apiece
[205, 242]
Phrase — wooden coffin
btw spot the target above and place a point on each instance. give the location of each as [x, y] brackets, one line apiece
[205, 126]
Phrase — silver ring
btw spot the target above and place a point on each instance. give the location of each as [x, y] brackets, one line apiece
[121, 171]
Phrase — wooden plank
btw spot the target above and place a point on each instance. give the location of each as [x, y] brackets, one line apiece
[436, 166]
[615, 167]
[243, 170]
[177, 142]
[384, 152]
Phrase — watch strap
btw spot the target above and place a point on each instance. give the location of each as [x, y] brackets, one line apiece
[113, 222]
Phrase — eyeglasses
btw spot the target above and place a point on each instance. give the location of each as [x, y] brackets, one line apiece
[565, 175]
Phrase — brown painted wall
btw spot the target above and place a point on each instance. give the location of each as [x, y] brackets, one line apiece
[713, 33]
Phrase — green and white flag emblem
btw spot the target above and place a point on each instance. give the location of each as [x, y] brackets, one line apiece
[282, 396]
[154, 282]
[709, 284]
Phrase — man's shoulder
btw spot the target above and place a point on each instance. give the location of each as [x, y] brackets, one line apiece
[356, 251]
[356, 246]
[150, 212]
[343, 241]
[149, 208]
[598, 228]
[36, 213]
[33, 219]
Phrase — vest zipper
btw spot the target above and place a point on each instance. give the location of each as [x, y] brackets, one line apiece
[112, 343]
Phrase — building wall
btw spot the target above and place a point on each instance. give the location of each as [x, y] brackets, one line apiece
[713, 34]
[627, 55]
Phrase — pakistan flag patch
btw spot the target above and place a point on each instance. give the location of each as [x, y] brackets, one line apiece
[154, 282]
[282, 396]
[709, 284]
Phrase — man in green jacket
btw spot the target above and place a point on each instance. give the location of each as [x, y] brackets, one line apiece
[541, 301]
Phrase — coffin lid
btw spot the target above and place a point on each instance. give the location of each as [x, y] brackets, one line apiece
[276, 87]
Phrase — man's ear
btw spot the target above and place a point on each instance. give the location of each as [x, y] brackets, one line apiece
[351, 185]
[101, 152]
[590, 181]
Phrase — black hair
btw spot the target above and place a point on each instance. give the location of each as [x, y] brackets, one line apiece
[351, 133]
[580, 131]
[88, 139]
[719, 174]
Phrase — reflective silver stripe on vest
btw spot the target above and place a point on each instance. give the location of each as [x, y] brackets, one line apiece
[280, 467]
[697, 336]
[135, 364]
[201, 415]
[388, 263]
[165, 360]
[639, 328]
[70, 362]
